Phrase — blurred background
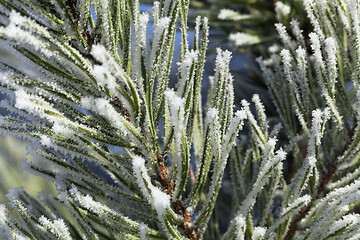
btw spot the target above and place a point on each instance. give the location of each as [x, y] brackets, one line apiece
[13, 152]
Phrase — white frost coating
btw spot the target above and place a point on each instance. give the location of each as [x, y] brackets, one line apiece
[343, 14]
[343, 228]
[197, 26]
[103, 76]
[184, 70]
[274, 48]
[232, 131]
[141, 175]
[303, 175]
[350, 221]
[316, 47]
[140, 27]
[288, 212]
[304, 200]
[312, 161]
[99, 53]
[282, 10]
[59, 128]
[319, 119]
[316, 126]
[62, 129]
[177, 117]
[155, 10]
[163, 23]
[353, 12]
[222, 59]
[345, 180]
[267, 169]
[211, 114]
[355, 237]
[259, 135]
[14, 198]
[286, 57]
[298, 33]
[331, 60]
[109, 72]
[36, 105]
[13, 31]
[287, 60]
[259, 233]
[46, 141]
[5, 231]
[144, 19]
[158, 199]
[309, 7]
[167, 8]
[285, 38]
[86, 102]
[160, 30]
[5, 77]
[335, 203]
[269, 164]
[261, 113]
[301, 59]
[143, 228]
[57, 227]
[104, 108]
[242, 39]
[241, 114]
[23, 100]
[176, 104]
[337, 118]
[102, 12]
[269, 147]
[88, 202]
[212, 122]
[227, 14]
[240, 227]
[15, 18]
[3, 214]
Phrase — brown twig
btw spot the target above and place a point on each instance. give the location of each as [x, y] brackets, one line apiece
[119, 107]
[71, 4]
[179, 208]
[321, 187]
[178, 205]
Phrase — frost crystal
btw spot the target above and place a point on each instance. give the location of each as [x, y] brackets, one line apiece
[133, 159]
[143, 228]
[103, 107]
[242, 39]
[241, 227]
[285, 38]
[281, 10]
[259, 233]
[227, 14]
[57, 227]
[158, 199]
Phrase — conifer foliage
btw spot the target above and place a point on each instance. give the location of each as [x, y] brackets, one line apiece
[132, 158]
[91, 95]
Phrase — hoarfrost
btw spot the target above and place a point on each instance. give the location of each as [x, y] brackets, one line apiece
[158, 199]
